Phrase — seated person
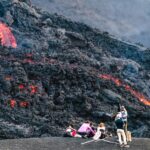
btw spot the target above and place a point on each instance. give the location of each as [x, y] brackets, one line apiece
[86, 130]
[101, 132]
[71, 132]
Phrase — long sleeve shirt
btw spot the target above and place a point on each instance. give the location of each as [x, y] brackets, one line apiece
[85, 128]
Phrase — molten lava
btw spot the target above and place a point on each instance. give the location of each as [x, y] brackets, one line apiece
[33, 89]
[12, 103]
[24, 104]
[6, 37]
[21, 86]
[118, 82]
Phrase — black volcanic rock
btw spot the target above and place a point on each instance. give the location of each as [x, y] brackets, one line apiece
[53, 75]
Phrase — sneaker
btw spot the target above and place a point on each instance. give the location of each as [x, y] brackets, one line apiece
[121, 145]
[127, 146]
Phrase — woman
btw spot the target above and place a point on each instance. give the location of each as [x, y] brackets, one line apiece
[86, 130]
[101, 131]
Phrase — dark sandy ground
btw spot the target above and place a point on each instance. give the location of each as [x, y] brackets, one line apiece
[68, 144]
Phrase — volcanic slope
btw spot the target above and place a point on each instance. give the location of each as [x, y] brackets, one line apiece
[65, 72]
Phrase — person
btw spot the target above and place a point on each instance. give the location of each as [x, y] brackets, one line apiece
[86, 130]
[124, 114]
[71, 132]
[101, 132]
[120, 130]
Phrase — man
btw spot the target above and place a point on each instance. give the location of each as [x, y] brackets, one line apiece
[124, 114]
[120, 130]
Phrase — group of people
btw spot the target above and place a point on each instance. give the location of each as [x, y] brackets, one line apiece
[87, 130]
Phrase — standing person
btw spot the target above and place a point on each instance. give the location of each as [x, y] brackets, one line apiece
[86, 130]
[101, 131]
[120, 130]
[124, 114]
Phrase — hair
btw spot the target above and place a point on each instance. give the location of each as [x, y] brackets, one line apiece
[70, 125]
[87, 121]
[123, 108]
[101, 124]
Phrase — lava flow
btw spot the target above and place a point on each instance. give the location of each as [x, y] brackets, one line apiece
[33, 89]
[6, 37]
[12, 103]
[118, 82]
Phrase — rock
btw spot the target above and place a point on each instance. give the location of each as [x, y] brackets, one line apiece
[112, 96]
[54, 76]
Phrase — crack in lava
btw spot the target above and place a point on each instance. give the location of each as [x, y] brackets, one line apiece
[128, 88]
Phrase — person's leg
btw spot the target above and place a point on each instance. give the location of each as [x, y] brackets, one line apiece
[97, 135]
[123, 137]
[119, 136]
[90, 134]
[126, 130]
[78, 136]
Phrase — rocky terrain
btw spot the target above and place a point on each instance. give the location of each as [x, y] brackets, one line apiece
[127, 19]
[54, 71]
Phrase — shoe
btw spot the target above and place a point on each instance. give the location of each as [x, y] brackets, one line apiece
[127, 146]
[85, 137]
[121, 145]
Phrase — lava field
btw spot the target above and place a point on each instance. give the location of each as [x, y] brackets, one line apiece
[54, 72]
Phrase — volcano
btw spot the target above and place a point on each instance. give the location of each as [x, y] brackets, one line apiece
[54, 72]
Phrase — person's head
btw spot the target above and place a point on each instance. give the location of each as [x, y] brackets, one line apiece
[122, 108]
[101, 124]
[91, 124]
[70, 126]
[87, 121]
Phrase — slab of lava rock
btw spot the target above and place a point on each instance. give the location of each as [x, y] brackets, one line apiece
[53, 78]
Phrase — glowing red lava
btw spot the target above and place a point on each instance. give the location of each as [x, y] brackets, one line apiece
[24, 104]
[33, 89]
[12, 103]
[21, 86]
[6, 37]
[118, 82]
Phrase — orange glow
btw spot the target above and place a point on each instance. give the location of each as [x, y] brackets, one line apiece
[21, 86]
[8, 78]
[33, 89]
[109, 77]
[12, 103]
[24, 104]
[6, 37]
[118, 82]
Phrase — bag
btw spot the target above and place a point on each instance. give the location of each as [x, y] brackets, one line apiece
[129, 136]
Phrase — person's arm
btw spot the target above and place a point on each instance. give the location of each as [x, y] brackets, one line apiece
[91, 130]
